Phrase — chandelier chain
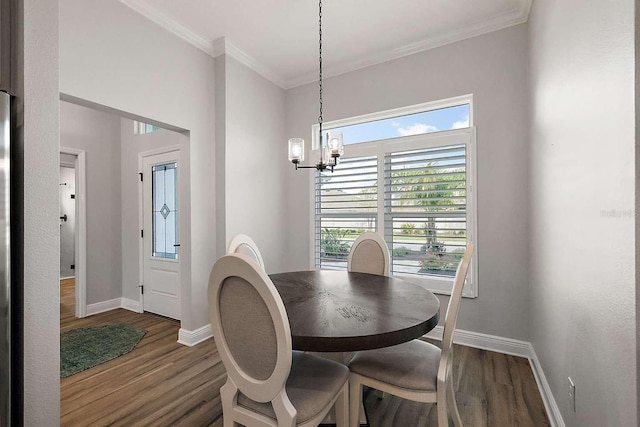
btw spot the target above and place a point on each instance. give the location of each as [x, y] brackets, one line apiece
[296, 145]
[320, 60]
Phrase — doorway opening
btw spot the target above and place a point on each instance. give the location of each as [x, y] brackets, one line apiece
[105, 216]
[73, 229]
[67, 231]
[67, 216]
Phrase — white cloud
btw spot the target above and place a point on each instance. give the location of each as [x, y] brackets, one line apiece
[417, 129]
[395, 124]
[464, 123]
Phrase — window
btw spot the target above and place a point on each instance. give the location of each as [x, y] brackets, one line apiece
[425, 210]
[415, 189]
[346, 206]
[165, 210]
[140, 128]
[438, 120]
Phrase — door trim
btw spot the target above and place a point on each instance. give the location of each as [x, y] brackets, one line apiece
[141, 157]
[80, 245]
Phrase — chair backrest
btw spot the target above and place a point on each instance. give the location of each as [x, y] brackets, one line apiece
[243, 244]
[369, 254]
[250, 327]
[451, 316]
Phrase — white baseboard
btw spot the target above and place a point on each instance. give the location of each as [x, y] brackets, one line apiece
[191, 338]
[101, 307]
[131, 305]
[485, 342]
[512, 347]
[112, 304]
[550, 404]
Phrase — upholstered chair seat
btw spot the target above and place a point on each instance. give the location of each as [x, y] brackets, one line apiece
[312, 384]
[412, 365]
[415, 370]
[268, 384]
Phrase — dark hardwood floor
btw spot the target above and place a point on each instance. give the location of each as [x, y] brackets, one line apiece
[492, 389]
[160, 383]
[163, 383]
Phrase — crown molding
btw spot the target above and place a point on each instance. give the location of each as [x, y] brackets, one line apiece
[216, 48]
[169, 24]
[222, 46]
[516, 16]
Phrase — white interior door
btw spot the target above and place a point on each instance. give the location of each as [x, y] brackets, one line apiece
[161, 260]
[67, 221]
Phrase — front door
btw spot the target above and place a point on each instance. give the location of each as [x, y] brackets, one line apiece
[161, 259]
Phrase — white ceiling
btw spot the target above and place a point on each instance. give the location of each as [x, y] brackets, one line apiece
[279, 38]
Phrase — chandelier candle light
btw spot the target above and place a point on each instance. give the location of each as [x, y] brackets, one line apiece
[334, 148]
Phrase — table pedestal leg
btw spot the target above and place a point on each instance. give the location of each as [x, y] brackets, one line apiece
[343, 358]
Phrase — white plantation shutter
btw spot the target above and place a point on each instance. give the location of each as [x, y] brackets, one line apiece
[417, 191]
[346, 205]
[425, 199]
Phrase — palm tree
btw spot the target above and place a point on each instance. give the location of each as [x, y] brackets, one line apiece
[434, 189]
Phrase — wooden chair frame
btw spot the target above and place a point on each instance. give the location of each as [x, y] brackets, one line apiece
[444, 384]
[370, 235]
[273, 388]
[244, 240]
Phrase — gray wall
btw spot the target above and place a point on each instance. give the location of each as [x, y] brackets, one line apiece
[255, 161]
[580, 304]
[139, 68]
[581, 201]
[637, 185]
[131, 146]
[41, 207]
[492, 67]
[98, 134]
[113, 232]
[220, 166]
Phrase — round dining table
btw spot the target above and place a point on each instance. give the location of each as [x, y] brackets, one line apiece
[339, 311]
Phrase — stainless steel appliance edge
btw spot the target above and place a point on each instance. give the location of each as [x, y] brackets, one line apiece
[5, 263]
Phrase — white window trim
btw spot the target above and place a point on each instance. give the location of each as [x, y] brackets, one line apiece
[388, 114]
[465, 136]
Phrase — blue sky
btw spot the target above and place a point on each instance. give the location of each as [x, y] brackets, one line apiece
[414, 124]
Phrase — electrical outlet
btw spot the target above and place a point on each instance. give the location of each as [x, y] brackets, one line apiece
[572, 395]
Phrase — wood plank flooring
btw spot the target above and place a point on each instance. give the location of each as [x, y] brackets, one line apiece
[163, 383]
[492, 389]
[160, 383]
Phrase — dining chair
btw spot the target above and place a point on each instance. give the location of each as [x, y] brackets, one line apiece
[267, 384]
[415, 370]
[243, 244]
[369, 254]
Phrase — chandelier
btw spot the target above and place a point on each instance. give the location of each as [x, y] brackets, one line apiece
[334, 148]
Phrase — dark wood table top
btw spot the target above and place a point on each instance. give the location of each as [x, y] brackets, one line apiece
[340, 311]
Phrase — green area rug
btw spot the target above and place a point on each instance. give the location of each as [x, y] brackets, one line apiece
[85, 348]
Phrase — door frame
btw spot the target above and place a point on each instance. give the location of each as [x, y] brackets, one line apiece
[80, 240]
[141, 157]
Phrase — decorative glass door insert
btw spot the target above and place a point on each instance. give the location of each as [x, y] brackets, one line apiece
[165, 210]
